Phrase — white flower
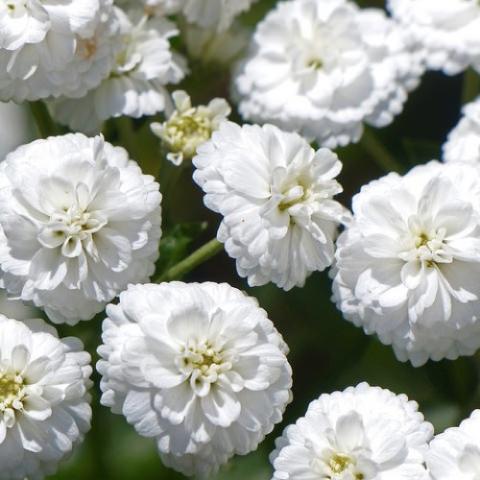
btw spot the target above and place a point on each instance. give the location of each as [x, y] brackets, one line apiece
[189, 127]
[44, 404]
[447, 29]
[276, 196]
[80, 223]
[135, 87]
[324, 68]
[455, 453]
[56, 48]
[463, 144]
[362, 433]
[408, 265]
[198, 367]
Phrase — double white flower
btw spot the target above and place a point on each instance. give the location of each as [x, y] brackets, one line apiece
[53, 48]
[446, 29]
[136, 85]
[324, 68]
[407, 266]
[363, 433]
[276, 197]
[79, 223]
[44, 404]
[198, 367]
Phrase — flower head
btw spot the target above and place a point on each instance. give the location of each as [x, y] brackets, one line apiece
[189, 127]
[276, 196]
[80, 222]
[324, 68]
[198, 367]
[144, 65]
[362, 433]
[44, 404]
[463, 144]
[455, 453]
[55, 48]
[447, 30]
[406, 266]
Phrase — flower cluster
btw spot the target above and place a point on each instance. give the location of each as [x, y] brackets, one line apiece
[325, 68]
[199, 367]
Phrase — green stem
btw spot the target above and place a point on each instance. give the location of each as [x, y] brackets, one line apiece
[471, 85]
[198, 257]
[45, 125]
[381, 156]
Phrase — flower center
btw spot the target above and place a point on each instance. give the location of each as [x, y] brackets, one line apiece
[87, 48]
[69, 228]
[293, 195]
[15, 7]
[338, 466]
[315, 64]
[426, 245]
[202, 363]
[185, 132]
[339, 463]
[12, 391]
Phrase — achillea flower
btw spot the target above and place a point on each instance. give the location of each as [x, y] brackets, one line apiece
[198, 367]
[137, 82]
[189, 127]
[79, 223]
[44, 400]
[407, 266]
[362, 433]
[276, 197]
[56, 48]
[324, 68]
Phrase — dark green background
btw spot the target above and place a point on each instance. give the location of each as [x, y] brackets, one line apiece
[327, 353]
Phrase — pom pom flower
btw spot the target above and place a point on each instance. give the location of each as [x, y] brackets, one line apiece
[324, 68]
[80, 222]
[362, 433]
[44, 404]
[276, 196]
[198, 367]
[406, 267]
